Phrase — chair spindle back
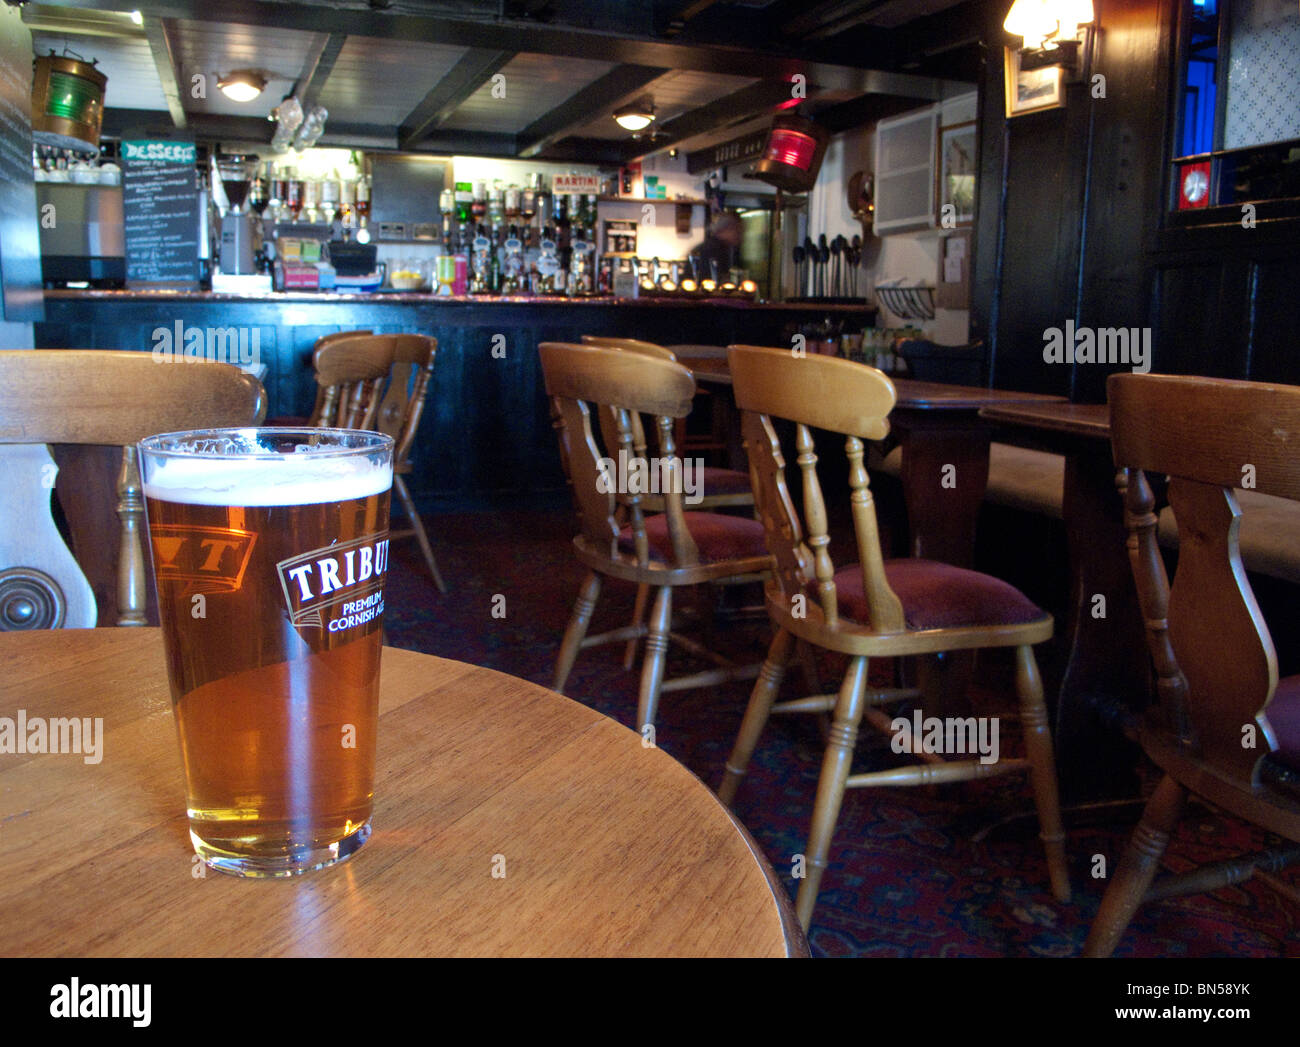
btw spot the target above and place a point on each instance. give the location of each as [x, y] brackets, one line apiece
[351, 371]
[403, 404]
[814, 392]
[622, 384]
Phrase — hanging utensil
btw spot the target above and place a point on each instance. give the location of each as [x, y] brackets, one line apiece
[799, 257]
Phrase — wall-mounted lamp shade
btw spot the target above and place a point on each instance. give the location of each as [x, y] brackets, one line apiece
[242, 86]
[67, 103]
[635, 117]
[1037, 20]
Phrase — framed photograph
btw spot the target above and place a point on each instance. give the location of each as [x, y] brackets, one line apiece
[1029, 91]
[955, 183]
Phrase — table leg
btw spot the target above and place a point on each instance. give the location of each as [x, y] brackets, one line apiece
[1107, 677]
[944, 473]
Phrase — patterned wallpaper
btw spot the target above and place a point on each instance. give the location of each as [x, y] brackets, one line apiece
[1263, 73]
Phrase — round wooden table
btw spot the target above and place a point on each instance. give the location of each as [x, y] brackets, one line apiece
[607, 847]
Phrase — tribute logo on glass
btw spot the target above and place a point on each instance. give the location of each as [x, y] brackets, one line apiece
[210, 559]
[286, 532]
[340, 575]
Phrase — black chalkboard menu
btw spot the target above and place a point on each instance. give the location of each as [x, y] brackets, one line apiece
[21, 299]
[161, 213]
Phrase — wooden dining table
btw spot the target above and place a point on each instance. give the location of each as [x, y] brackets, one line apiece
[945, 452]
[508, 821]
[1107, 677]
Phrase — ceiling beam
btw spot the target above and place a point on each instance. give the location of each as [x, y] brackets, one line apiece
[163, 48]
[42, 19]
[609, 151]
[761, 97]
[253, 130]
[317, 67]
[816, 19]
[952, 29]
[622, 84]
[859, 112]
[475, 68]
[408, 20]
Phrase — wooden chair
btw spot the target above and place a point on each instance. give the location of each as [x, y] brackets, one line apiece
[399, 417]
[350, 375]
[616, 539]
[76, 396]
[317, 411]
[1224, 727]
[720, 488]
[874, 608]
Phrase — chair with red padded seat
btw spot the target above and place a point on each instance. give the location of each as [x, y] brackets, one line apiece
[1224, 727]
[870, 609]
[617, 539]
[719, 488]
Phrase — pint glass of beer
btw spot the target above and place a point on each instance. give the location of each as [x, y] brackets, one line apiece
[270, 548]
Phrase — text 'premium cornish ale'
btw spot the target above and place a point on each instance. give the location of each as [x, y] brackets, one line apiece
[270, 549]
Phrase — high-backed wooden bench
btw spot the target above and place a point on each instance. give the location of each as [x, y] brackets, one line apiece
[1034, 481]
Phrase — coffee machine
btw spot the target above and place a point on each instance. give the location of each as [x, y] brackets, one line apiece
[240, 235]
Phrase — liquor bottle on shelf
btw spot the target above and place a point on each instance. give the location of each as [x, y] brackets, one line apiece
[548, 268]
[513, 203]
[528, 200]
[494, 263]
[512, 280]
[580, 270]
[480, 281]
[464, 196]
[497, 205]
[447, 208]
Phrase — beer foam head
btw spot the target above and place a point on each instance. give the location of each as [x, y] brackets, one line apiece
[273, 479]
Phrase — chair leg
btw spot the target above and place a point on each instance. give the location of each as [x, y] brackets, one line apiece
[399, 485]
[1137, 868]
[1042, 769]
[638, 616]
[807, 655]
[756, 713]
[656, 657]
[577, 629]
[830, 788]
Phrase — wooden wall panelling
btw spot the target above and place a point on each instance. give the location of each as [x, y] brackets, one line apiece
[1126, 174]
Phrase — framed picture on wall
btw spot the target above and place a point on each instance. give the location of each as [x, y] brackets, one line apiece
[1031, 90]
[955, 180]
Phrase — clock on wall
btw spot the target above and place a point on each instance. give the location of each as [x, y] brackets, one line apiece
[1194, 185]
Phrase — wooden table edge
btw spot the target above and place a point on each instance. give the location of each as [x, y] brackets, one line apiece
[794, 938]
[1028, 416]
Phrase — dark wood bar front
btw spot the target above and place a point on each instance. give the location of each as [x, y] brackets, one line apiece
[487, 437]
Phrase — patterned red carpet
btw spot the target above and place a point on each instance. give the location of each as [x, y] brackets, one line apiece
[949, 871]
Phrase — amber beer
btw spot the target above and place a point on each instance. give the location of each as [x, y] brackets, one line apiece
[270, 549]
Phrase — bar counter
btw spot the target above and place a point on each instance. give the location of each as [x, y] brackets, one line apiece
[486, 437]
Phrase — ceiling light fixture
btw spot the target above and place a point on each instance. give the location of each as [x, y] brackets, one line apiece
[636, 117]
[243, 85]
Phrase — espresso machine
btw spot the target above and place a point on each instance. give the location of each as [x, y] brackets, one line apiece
[240, 232]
